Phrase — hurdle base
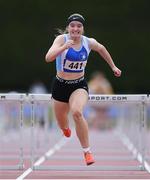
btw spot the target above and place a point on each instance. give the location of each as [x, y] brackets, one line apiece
[89, 168]
[15, 167]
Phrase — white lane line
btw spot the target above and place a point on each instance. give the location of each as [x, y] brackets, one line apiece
[126, 141]
[56, 147]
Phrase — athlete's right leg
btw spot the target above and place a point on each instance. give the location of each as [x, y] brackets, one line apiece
[61, 110]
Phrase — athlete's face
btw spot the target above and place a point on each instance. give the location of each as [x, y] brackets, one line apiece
[75, 29]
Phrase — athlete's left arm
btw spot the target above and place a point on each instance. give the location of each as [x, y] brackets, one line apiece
[96, 46]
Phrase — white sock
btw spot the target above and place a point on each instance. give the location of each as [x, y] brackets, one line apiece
[87, 149]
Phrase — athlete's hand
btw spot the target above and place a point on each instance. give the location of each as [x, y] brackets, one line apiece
[117, 71]
[68, 44]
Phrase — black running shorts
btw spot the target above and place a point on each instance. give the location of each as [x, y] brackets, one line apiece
[62, 89]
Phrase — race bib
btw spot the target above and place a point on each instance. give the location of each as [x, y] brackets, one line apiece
[74, 66]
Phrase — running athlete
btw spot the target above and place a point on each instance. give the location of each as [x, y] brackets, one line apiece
[70, 90]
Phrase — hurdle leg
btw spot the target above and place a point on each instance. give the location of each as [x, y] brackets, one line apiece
[21, 163]
[142, 134]
[32, 140]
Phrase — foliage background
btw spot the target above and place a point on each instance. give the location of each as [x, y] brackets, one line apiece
[28, 30]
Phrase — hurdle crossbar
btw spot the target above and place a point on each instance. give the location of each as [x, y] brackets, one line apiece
[12, 97]
[118, 98]
[96, 98]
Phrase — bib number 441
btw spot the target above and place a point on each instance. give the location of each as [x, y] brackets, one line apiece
[75, 65]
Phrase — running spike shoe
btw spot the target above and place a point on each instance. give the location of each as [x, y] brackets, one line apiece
[67, 132]
[89, 159]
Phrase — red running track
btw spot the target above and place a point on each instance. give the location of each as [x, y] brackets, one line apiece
[65, 160]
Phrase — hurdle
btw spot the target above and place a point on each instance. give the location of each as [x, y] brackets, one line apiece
[129, 140]
[33, 99]
[138, 152]
[148, 128]
[4, 97]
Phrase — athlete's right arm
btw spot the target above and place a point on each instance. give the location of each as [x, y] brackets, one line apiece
[57, 48]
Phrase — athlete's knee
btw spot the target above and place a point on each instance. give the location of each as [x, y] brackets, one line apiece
[77, 114]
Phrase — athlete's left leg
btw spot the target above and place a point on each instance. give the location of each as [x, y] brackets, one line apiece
[77, 101]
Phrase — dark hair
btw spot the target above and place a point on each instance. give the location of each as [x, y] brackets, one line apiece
[76, 17]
